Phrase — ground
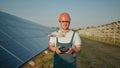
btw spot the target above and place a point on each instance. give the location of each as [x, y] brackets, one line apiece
[93, 55]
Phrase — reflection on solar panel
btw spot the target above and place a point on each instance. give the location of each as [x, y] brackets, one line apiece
[20, 40]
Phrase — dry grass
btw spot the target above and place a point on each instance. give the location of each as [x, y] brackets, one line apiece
[93, 55]
[43, 60]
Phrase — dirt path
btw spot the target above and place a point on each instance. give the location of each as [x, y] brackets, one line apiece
[98, 55]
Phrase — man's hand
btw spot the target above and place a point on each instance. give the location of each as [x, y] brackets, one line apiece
[57, 50]
[70, 51]
[53, 48]
[76, 49]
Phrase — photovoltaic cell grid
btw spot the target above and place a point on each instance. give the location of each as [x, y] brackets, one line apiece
[20, 40]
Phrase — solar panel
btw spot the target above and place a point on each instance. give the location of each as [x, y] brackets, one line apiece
[20, 40]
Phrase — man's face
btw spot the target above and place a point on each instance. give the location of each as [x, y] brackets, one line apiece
[65, 24]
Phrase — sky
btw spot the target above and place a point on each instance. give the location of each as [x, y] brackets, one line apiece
[84, 13]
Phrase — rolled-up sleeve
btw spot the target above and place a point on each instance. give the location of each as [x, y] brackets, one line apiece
[52, 40]
[77, 40]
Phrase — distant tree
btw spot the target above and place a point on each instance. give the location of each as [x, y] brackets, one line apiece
[57, 28]
[87, 27]
[79, 29]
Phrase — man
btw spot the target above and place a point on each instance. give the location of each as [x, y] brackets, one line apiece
[65, 47]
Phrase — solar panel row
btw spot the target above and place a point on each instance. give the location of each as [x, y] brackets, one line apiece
[20, 40]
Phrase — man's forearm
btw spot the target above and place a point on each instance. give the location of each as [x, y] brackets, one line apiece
[76, 49]
[52, 48]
